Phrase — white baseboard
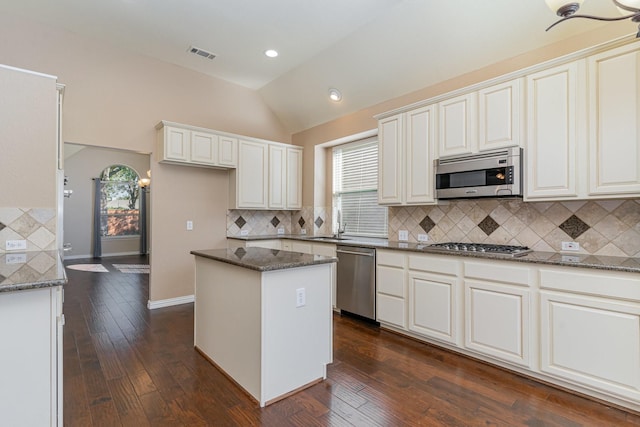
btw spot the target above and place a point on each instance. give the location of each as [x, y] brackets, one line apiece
[152, 305]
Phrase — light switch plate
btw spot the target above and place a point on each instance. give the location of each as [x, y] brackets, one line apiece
[281, 230]
[303, 231]
[244, 232]
[189, 225]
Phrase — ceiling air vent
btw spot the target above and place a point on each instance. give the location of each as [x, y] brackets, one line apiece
[200, 52]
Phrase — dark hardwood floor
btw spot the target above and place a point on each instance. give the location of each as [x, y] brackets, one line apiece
[126, 365]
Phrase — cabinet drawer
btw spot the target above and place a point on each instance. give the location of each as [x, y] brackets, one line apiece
[434, 264]
[390, 258]
[391, 310]
[391, 281]
[498, 272]
[613, 285]
[326, 249]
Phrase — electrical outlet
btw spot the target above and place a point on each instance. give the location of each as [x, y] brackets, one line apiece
[570, 246]
[16, 258]
[403, 235]
[570, 258]
[423, 238]
[244, 232]
[303, 231]
[189, 225]
[281, 230]
[301, 298]
[15, 245]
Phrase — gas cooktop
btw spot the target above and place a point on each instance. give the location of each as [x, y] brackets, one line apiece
[481, 248]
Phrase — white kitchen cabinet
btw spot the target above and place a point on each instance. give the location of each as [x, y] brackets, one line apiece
[227, 151]
[249, 182]
[391, 289]
[497, 310]
[614, 123]
[193, 146]
[277, 176]
[554, 124]
[458, 132]
[31, 357]
[301, 246]
[407, 145]
[434, 299]
[294, 178]
[500, 115]
[592, 341]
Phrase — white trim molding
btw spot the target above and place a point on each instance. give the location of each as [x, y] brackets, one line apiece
[152, 305]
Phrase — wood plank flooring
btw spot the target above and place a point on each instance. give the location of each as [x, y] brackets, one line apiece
[126, 365]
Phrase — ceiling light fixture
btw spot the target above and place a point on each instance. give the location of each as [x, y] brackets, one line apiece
[335, 95]
[566, 9]
[271, 53]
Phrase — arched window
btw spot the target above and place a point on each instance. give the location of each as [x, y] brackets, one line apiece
[119, 202]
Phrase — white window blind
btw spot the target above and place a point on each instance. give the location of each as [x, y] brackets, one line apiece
[355, 189]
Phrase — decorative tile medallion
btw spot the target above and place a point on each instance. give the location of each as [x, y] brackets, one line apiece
[301, 222]
[240, 222]
[427, 224]
[574, 226]
[275, 221]
[319, 222]
[240, 252]
[488, 225]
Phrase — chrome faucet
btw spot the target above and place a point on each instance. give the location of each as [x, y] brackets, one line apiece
[341, 231]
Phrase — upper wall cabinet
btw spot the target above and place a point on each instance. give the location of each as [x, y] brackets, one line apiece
[500, 115]
[553, 122]
[188, 145]
[614, 122]
[458, 125]
[269, 176]
[406, 157]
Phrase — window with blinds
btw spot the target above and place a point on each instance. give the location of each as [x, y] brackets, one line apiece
[355, 189]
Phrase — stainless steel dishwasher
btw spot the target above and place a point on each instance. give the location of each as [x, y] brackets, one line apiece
[356, 281]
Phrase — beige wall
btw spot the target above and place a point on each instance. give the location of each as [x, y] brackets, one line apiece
[363, 120]
[80, 168]
[114, 98]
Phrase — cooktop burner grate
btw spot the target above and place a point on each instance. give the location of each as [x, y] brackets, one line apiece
[481, 248]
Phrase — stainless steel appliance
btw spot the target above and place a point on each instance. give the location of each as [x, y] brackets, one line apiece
[487, 248]
[489, 174]
[356, 281]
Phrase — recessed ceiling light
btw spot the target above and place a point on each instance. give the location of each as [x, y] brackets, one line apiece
[271, 53]
[335, 95]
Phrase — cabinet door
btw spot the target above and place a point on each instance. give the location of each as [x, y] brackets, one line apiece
[614, 120]
[497, 321]
[252, 177]
[204, 148]
[591, 341]
[433, 306]
[294, 178]
[277, 176]
[391, 296]
[551, 141]
[458, 125]
[177, 143]
[499, 112]
[420, 139]
[390, 160]
[227, 151]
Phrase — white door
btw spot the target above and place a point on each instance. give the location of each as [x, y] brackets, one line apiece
[420, 141]
[458, 125]
[204, 148]
[176, 144]
[432, 306]
[252, 176]
[390, 160]
[294, 178]
[499, 112]
[277, 176]
[227, 151]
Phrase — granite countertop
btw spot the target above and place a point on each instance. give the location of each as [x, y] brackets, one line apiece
[261, 259]
[611, 263]
[31, 270]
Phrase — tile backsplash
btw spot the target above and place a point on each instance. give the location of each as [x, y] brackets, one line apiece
[603, 227]
[262, 223]
[37, 226]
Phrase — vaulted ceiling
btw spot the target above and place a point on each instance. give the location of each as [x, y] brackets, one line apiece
[371, 50]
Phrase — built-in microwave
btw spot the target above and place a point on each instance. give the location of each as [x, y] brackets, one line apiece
[488, 174]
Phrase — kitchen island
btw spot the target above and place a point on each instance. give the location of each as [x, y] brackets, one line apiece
[264, 317]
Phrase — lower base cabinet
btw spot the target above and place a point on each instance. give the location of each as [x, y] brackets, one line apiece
[31, 357]
[592, 341]
[578, 328]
